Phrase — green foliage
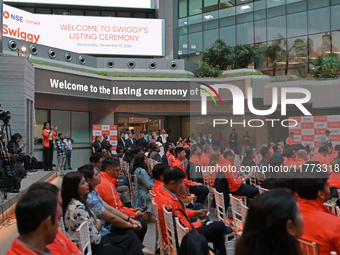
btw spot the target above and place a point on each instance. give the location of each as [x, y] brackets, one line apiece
[243, 55]
[246, 74]
[327, 66]
[207, 71]
[273, 53]
[218, 54]
[102, 73]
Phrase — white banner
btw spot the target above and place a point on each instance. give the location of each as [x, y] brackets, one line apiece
[146, 4]
[88, 35]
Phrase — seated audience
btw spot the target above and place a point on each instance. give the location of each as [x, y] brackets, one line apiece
[96, 160]
[321, 156]
[194, 187]
[76, 210]
[277, 150]
[237, 186]
[196, 154]
[157, 173]
[334, 178]
[108, 192]
[144, 182]
[15, 148]
[248, 162]
[154, 154]
[119, 151]
[273, 224]
[114, 220]
[61, 245]
[321, 225]
[38, 215]
[214, 232]
[207, 151]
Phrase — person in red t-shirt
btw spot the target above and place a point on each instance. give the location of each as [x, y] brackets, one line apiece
[290, 138]
[246, 141]
[321, 225]
[334, 178]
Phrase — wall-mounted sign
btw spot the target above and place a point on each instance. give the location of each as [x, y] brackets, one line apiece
[85, 34]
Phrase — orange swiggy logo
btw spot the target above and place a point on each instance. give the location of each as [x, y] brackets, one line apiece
[6, 14]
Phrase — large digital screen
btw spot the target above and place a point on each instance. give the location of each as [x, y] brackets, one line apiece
[87, 35]
[146, 4]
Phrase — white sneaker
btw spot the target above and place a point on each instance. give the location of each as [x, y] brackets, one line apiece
[28, 173]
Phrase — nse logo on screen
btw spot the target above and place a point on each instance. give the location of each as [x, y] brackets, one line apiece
[15, 17]
[16, 32]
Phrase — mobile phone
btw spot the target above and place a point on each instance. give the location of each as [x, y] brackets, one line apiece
[207, 214]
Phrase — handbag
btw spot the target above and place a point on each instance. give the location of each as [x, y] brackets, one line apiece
[192, 243]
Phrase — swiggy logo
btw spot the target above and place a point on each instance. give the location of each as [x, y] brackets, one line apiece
[6, 14]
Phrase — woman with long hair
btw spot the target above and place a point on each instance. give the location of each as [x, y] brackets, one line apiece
[48, 135]
[273, 224]
[214, 159]
[119, 223]
[74, 190]
[15, 148]
[144, 182]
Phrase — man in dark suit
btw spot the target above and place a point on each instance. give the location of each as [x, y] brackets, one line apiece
[233, 141]
[121, 140]
[131, 142]
[96, 144]
[210, 139]
[105, 143]
[141, 141]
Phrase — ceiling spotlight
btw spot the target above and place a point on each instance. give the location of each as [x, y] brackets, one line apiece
[21, 50]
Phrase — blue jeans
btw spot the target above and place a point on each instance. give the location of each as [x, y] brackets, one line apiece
[198, 206]
[201, 192]
[68, 159]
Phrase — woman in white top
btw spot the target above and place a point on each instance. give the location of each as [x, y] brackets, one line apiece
[76, 210]
[159, 144]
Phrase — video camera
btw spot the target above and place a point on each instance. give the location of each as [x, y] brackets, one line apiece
[5, 116]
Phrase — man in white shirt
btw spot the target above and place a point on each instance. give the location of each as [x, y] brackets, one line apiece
[164, 136]
[68, 151]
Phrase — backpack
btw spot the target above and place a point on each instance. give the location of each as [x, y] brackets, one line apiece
[192, 243]
[35, 164]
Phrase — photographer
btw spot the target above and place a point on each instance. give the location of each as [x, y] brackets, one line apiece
[48, 135]
[4, 154]
[15, 148]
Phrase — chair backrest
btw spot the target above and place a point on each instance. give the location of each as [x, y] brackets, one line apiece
[263, 190]
[244, 212]
[84, 241]
[333, 253]
[331, 206]
[260, 176]
[220, 209]
[206, 178]
[236, 212]
[337, 211]
[252, 179]
[181, 231]
[170, 230]
[152, 195]
[158, 226]
[62, 225]
[169, 161]
[308, 248]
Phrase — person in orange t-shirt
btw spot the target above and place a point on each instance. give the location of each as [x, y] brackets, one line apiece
[157, 173]
[292, 161]
[321, 156]
[290, 138]
[236, 185]
[36, 230]
[205, 157]
[321, 225]
[194, 187]
[334, 178]
[214, 232]
[62, 245]
[196, 151]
